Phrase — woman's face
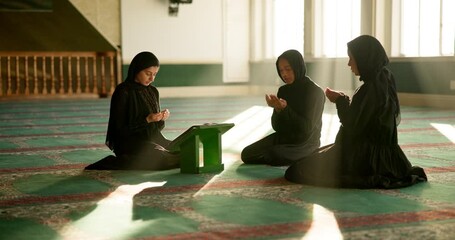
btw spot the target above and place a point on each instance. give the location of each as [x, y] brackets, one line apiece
[353, 64]
[147, 76]
[286, 72]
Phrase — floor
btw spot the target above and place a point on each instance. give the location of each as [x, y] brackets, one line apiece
[45, 194]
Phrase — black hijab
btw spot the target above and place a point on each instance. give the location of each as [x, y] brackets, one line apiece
[369, 55]
[296, 61]
[139, 96]
[140, 62]
[371, 60]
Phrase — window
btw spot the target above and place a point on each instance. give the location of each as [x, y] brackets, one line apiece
[448, 28]
[427, 28]
[336, 23]
[288, 26]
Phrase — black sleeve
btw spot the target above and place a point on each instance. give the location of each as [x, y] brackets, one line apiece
[357, 116]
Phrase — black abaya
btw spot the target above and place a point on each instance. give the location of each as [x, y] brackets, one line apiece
[136, 143]
[297, 127]
[366, 153]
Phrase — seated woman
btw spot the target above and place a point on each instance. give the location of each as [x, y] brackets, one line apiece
[366, 153]
[296, 118]
[135, 122]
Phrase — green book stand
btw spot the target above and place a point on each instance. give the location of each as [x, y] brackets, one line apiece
[200, 148]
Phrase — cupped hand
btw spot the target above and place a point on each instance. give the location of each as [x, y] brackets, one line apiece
[275, 102]
[156, 117]
[333, 95]
[165, 113]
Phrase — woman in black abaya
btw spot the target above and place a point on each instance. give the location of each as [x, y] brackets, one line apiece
[135, 122]
[366, 153]
[296, 118]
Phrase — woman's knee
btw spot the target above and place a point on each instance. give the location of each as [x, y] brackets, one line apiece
[245, 155]
[250, 156]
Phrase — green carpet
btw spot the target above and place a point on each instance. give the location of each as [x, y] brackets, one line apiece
[45, 194]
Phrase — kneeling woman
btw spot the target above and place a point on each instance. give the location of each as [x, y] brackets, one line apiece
[366, 153]
[135, 122]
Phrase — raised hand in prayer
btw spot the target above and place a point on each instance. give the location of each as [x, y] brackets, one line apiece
[277, 103]
[332, 95]
[165, 114]
[156, 117]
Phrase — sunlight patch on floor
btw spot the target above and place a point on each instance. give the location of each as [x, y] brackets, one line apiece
[445, 129]
[250, 126]
[112, 218]
[323, 226]
[255, 123]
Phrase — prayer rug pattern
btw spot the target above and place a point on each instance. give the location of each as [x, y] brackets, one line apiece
[45, 194]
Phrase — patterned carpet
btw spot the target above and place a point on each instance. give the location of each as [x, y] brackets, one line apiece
[45, 194]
